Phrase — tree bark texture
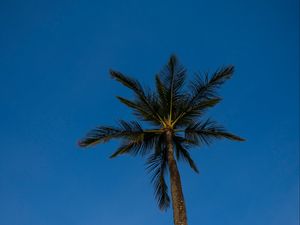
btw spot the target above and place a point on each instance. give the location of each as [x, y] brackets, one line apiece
[178, 204]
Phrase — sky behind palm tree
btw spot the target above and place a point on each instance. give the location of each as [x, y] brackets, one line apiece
[54, 86]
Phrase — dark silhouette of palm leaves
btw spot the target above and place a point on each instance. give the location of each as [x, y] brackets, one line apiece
[169, 107]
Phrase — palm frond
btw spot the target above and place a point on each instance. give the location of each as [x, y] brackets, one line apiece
[146, 100]
[140, 145]
[101, 134]
[181, 150]
[125, 130]
[162, 92]
[204, 87]
[187, 113]
[206, 132]
[127, 81]
[203, 96]
[157, 166]
[140, 110]
[169, 82]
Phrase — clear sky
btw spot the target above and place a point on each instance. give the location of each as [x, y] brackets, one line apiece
[54, 87]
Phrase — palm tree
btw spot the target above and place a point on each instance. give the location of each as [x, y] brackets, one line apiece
[177, 124]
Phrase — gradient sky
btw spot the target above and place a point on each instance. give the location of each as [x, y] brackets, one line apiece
[54, 87]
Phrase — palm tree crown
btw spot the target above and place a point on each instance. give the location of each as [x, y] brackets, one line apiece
[170, 109]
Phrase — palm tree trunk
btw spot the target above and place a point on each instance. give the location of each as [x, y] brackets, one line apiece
[179, 210]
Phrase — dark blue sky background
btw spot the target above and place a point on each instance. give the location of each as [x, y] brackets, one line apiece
[54, 87]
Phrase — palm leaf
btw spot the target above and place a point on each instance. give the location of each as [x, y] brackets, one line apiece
[162, 91]
[157, 166]
[169, 83]
[146, 100]
[181, 149]
[125, 130]
[138, 145]
[206, 132]
[188, 113]
[204, 87]
[140, 110]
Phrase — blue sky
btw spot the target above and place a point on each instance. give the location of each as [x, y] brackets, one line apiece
[54, 87]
